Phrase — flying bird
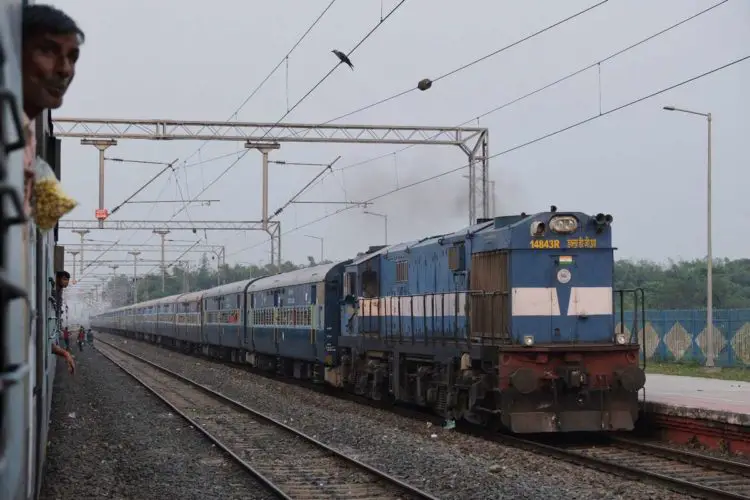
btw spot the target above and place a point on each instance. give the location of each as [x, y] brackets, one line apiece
[342, 57]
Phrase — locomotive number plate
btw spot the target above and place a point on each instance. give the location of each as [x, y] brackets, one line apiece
[545, 244]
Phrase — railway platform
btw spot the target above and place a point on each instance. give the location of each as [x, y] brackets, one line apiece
[708, 412]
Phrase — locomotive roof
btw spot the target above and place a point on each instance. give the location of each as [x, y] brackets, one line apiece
[400, 247]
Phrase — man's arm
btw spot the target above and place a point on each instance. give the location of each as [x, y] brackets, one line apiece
[56, 349]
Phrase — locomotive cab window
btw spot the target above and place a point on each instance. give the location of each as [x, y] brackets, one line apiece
[402, 271]
[456, 258]
[370, 284]
[350, 287]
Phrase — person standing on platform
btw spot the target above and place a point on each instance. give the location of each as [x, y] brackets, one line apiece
[66, 339]
[81, 338]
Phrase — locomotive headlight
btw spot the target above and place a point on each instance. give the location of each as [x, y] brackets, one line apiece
[528, 340]
[563, 224]
[620, 338]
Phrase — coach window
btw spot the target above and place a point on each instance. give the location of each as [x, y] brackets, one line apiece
[313, 294]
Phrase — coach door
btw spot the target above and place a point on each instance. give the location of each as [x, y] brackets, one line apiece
[277, 304]
[489, 297]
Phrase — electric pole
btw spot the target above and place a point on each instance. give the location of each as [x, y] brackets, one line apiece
[114, 283]
[135, 271]
[74, 253]
[163, 233]
[82, 233]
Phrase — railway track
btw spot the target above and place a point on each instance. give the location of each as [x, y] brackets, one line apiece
[291, 464]
[690, 473]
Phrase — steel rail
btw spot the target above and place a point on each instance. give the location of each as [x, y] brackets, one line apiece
[387, 478]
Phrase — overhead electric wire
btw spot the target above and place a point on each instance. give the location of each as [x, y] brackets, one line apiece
[519, 146]
[549, 85]
[270, 74]
[472, 63]
[239, 108]
[303, 98]
[169, 166]
[243, 153]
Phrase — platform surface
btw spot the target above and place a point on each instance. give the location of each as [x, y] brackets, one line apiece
[696, 397]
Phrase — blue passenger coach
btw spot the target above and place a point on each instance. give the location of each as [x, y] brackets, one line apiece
[295, 316]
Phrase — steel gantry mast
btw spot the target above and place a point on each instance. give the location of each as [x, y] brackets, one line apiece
[473, 141]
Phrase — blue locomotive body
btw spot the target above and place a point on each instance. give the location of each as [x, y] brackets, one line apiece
[508, 321]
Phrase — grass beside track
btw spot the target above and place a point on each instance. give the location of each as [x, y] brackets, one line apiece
[696, 370]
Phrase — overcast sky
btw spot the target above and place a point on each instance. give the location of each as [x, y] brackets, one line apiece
[183, 59]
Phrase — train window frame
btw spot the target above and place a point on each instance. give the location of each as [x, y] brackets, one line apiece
[350, 283]
[457, 257]
[402, 271]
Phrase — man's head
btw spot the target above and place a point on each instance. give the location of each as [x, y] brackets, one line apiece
[51, 42]
[63, 278]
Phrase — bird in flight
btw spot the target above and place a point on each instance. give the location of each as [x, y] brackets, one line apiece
[343, 58]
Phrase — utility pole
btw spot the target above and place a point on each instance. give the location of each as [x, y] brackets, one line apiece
[710, 354]
[114, 283]
[74, 253]
[101, 145]
[385, 219]
[135, 271]
[321, 244]
[163, 233]
[82, 233]
[265, 148]
[185, 268]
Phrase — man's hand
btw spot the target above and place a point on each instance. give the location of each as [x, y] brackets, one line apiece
[68, 357]
[71, 363]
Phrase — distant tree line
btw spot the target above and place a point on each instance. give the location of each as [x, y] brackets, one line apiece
[674, 285]
[682, 285]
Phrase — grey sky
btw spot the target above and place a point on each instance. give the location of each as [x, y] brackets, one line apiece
[182, 59]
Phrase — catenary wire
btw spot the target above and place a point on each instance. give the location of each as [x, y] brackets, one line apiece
[519, 146]
[299, 101]
[244, 102]
[270, 74]
[472, 63]
[509, 103]
[303, 98]
[548, 85]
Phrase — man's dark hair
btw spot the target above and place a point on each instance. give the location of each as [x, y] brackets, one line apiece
[62, 274]
[39, 19]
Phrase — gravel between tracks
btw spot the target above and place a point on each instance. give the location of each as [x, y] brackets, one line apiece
[450, 465]
[111, 438]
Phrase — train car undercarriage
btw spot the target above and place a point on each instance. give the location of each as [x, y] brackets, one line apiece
[521, 390]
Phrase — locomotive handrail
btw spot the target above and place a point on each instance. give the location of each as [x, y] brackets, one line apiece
[638, 306]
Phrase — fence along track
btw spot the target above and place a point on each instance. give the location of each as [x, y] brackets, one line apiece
[292, 464]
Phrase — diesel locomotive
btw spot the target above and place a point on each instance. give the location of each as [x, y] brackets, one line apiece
[508, 323]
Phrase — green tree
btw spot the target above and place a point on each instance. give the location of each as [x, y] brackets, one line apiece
[682, 285]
